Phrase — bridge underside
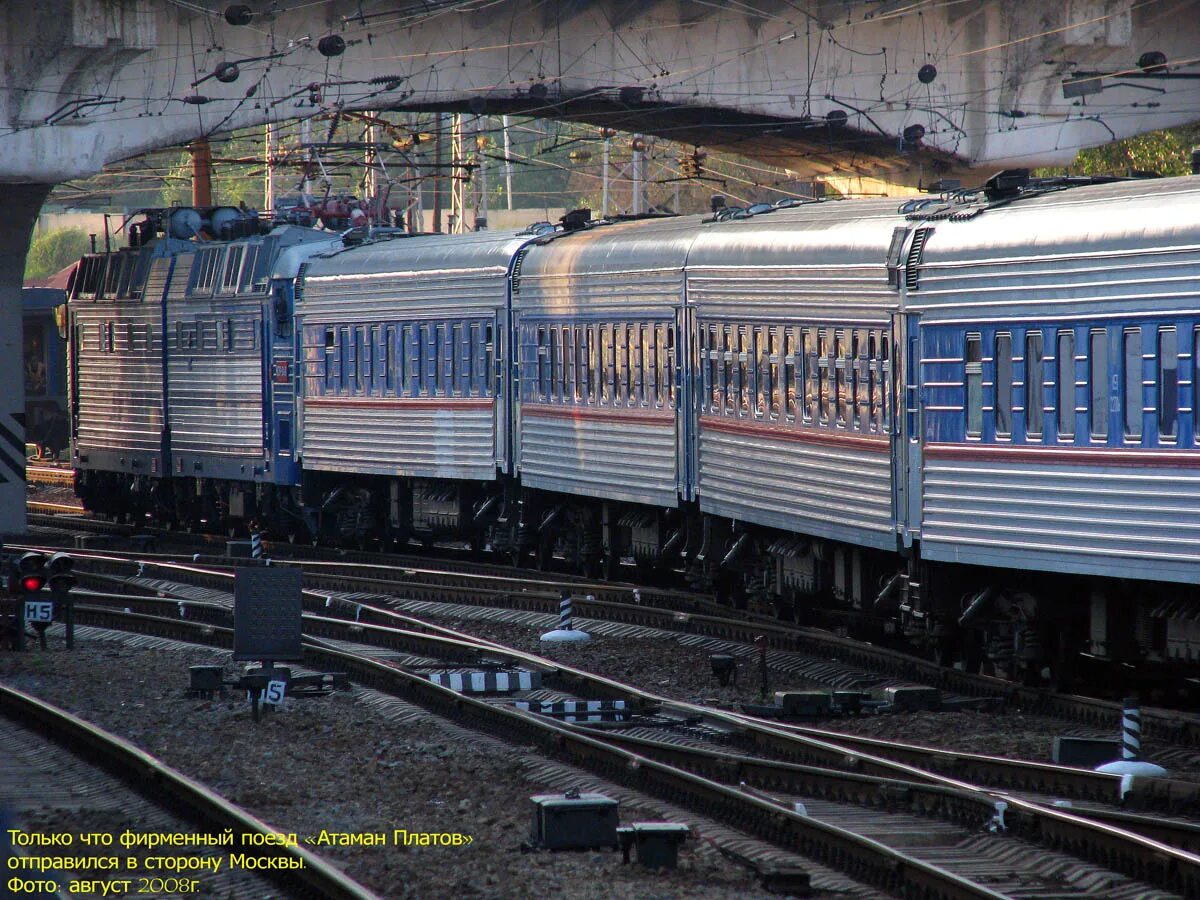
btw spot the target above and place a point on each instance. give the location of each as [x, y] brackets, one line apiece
[809, 147]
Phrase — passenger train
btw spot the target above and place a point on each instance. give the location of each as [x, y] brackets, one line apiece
[969, 417]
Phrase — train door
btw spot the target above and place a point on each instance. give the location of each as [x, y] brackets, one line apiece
[906, 425]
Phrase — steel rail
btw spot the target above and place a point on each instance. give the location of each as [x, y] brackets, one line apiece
[157, 782]
[855, 855]
[1134, 854]
[696, 614]
[799, 743]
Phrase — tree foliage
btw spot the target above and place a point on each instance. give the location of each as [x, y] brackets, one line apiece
[55, 250]
[1167, 152]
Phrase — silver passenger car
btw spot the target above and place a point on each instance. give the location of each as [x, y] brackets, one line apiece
[599, 322]
[402, 341]
[791, 318]
[1059, 373]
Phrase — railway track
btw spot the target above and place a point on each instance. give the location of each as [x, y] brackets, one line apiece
[956, 801]
[377, 617]
[85, 774]
[482, 584]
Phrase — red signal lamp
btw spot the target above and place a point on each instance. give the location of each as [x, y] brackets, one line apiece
[31, 583]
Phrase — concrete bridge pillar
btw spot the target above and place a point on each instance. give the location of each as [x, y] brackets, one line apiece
[21, 204]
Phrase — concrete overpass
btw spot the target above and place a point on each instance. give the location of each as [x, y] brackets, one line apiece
[860, 92]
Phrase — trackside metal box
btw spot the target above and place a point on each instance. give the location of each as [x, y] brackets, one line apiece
[574, 823]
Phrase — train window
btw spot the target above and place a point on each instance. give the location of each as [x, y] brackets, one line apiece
[345, 359]
[1065, 384]
[330, 344]
[724, 348]
[285, 435]
[789, 373]
[250, 258]
[973, 367]
[713, 385]
[1034, 388]
[607, 364]
[650, 361]
[669, 364]
[593, 364]
[570, 339]
[855, 377]
[555, 392]
[227, 335]
[872, 381]
[444, 360]
[1098, 383]
[233, 269]
[1168, 384]
[408, 363]
[389, 359]
[1132, 341]
[261, 271]
[1004, 385]
[837, 367]
[822, 377]
[885, 382]
[1195, 381]
[430, 359]
[112, 275]
[204, 270]
[541, 351]
[489, 360]
[620, 365]
[745, 370]
[636, 359]
[378, 359]
[810, 373]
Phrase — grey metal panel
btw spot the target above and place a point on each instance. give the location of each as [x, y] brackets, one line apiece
[432, 276]
[1111, 249]
[216, 395]
[121, 392]
[382, 439]
[601, 456]
[819, 264]
[630, 271]
[825, 490]
[1082, 518]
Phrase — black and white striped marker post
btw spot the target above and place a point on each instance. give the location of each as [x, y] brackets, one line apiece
[1131, 765]
[1131, 729]
[256, 545]
[566, 630]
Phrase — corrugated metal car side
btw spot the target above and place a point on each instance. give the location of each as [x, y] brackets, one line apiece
[121, 386]
[1069, 505]
[216, 377]
[618, 452]
[415, 437]
[823, 481]
[451, 440]
[1141, 519]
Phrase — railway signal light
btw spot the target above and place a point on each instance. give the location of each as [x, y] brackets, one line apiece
[28, 574]
[60, 572]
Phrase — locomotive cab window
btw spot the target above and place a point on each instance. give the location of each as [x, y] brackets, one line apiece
[973, 370]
